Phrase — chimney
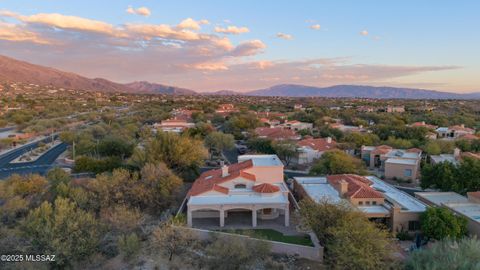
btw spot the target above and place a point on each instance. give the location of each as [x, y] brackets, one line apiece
[456, 153]
[462, 125]
[361, 126]
[224, 170]
[423, 123]
[342, 187]
[329, 139]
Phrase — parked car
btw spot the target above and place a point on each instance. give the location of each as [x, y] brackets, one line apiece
[242, 149]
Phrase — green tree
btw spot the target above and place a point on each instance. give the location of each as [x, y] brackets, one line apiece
[441, 175]
[360, 139]
[447, 254]
[129, 245]
[171, 239]
[439, 223]
[180, 153]
[261, 145]
[351, 241]
[219, 141]
[337, 162]
[238, 252]
[114, 146]
[62, 229]
[286, 151]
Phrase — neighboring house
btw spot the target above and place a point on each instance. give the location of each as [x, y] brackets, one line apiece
[310, 149]
[379, 201]
[226, 109]
[271, 115]
[423, 124]
[253, 186]
[366, 109]
[277, 133]
[173, 125]
[298, 107]
[297, 125]
[270, 122]
[469, 206]
[347, 128]
[454, 132]
[396, 163]
[395, 109]
[454, 158]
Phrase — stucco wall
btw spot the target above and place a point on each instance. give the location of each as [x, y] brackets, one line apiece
[398, 170]
[312, 253]
[272, 174]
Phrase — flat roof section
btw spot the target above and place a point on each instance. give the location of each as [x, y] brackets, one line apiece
[319, 189]
[401, 161]
[262, 160]
[440, 198]
[407, 202]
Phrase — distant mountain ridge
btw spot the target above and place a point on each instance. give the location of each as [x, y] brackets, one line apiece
[12, 70]
[155, 88]
[294, 90]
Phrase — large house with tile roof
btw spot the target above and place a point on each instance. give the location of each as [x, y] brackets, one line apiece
[254, 185]
[310, 149]
[375, 198]
[395, 163]
[454, 132]
[277, 134]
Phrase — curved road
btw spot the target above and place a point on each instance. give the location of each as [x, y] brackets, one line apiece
[40, 166]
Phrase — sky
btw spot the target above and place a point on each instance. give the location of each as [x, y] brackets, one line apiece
[247, 45]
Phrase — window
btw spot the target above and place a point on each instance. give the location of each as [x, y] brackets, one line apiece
[368, 203]
[241, 186]
[267, 211]
[374, 203]
[408, 172]
[360, 203]
[413, 225]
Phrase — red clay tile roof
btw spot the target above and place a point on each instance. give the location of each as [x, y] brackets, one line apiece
[210, 180]
[266, 188]
[276, 133]
[471, 155]
[382, 149]
[469, 137]
[461, 128]
[358, 186]
[475, 194]
[319, 144]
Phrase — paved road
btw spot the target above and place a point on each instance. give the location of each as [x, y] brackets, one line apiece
[7, 129]
[40, 166]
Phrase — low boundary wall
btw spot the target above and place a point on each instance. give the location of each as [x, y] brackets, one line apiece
[312, 253]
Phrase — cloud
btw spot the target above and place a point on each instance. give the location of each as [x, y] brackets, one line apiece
[12, 32]
[315, 26]
[364, 33]
[212, 66]
[64, 22]
[190, 23]
[234, 30]
[284, 36]
[142, 11]
[248, 48]
[183, 56]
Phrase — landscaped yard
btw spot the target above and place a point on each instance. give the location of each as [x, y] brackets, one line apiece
[273, 235]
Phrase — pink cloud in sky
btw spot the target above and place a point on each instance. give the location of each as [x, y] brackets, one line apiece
[183, 54]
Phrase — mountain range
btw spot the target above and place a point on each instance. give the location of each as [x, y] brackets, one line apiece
[12, 70]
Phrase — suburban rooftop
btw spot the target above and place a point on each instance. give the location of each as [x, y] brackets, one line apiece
[262, 160]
